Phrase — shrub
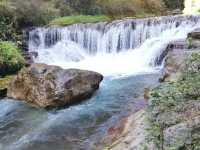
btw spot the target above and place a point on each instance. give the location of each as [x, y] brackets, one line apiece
[11, 59]
[7, 22]
[85, 7]
[174, 4]
[33, 12]
[130, 8]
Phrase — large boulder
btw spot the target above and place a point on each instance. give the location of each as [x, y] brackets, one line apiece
[51, 86]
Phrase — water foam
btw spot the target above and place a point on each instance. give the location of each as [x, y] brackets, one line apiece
[120, 48]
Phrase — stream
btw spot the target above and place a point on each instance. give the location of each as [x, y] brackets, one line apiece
[125, 51]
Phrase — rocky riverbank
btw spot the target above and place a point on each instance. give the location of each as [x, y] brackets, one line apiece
[171, 119]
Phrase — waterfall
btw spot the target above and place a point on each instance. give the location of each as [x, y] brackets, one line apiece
[121, 47]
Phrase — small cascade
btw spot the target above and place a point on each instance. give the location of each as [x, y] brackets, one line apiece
[120, 47]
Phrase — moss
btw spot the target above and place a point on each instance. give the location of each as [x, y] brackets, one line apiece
[78, 19]
[106, 148]
[4, 82]
[50, 77]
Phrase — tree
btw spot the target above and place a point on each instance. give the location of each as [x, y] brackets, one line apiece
[174, 4]
[126, 8]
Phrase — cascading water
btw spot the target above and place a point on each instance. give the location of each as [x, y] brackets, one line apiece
[122, 47]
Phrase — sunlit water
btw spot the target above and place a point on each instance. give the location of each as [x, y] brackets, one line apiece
[125, 52]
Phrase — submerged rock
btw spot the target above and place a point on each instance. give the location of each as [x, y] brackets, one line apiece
[51, 86]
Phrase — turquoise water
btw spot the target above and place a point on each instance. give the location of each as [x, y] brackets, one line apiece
[76, 127]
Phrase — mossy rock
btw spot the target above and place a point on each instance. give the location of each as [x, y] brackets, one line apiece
[4, 82]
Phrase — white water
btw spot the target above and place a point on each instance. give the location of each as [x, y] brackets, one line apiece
[123, 47]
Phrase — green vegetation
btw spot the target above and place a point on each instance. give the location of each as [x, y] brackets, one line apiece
[169, 102]
[106, 148]
[28, 13]
[4, 82]
[174, 4]
[78, 19]
[7, 27]
[11, 59]
[131, 8]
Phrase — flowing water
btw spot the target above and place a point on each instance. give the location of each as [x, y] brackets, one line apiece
[125, 51]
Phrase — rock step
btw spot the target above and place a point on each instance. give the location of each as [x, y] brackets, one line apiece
[180, 44]
[175, 45]
[29, 57]
[195, 34]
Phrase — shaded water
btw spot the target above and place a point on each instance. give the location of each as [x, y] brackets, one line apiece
[73, 128]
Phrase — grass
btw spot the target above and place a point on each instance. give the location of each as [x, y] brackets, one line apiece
[68, 20]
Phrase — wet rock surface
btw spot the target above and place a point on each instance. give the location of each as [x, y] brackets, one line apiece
[175, 56]
[51, 86]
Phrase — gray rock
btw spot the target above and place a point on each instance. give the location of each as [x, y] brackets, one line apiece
[195, 34]
[182, 134]
[174, 63]
[51, 86]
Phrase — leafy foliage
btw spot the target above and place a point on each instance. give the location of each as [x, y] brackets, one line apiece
[11, 59]
[33, 12]
[7, 23]
[126, 8]
[174, 4]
